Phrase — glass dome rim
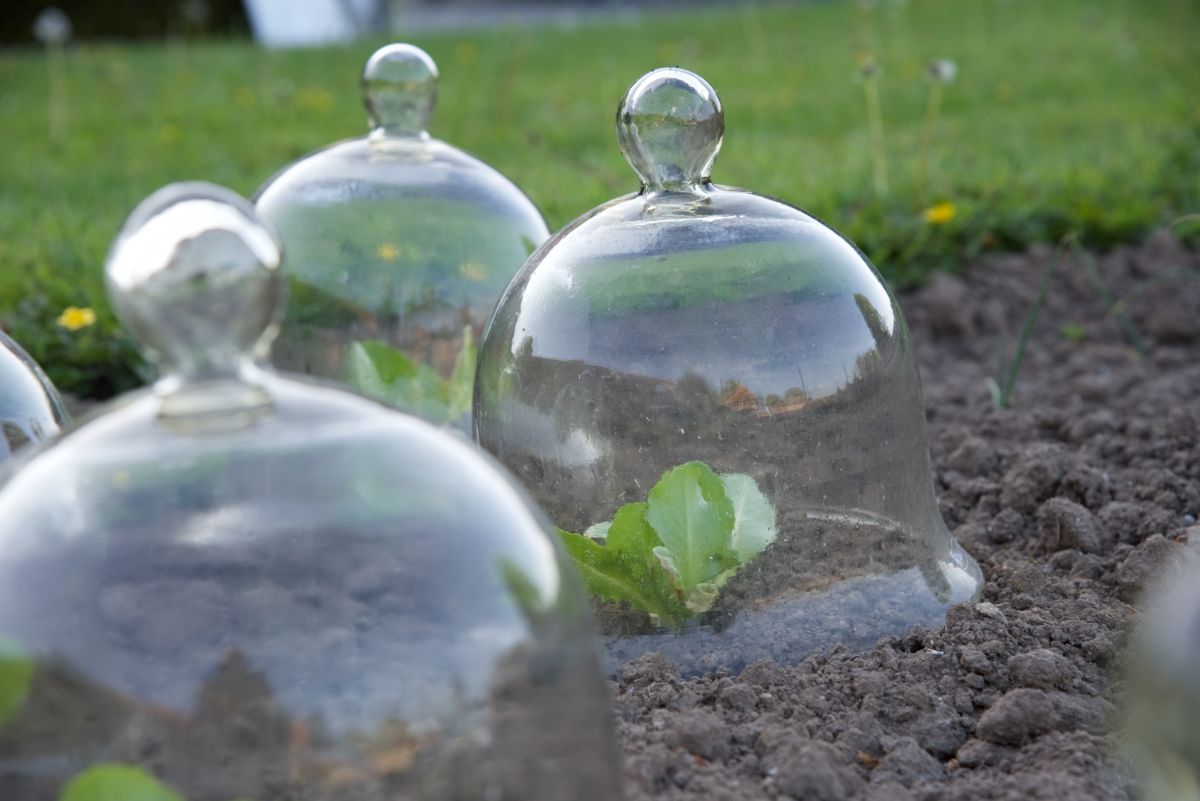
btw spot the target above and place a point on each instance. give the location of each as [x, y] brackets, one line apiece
[350, 407]
[153, 395]
[361, 420]
[41, 382]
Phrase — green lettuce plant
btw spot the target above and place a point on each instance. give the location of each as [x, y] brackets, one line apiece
[380, 371]
[105, 781]
[671, 554]
[16, 673]
[116, 781]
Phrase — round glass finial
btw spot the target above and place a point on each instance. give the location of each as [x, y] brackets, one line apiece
[195, 275]
[400, 90]
[670, 125]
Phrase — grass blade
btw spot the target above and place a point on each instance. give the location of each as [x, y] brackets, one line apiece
[1014, 367]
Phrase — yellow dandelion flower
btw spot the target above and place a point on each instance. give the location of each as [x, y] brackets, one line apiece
[466, 52]
[472, 271]
[940, 213]
[314, 99]
[387, 251]
[73, 318]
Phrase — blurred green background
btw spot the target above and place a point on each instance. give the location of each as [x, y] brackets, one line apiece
[1070, 115]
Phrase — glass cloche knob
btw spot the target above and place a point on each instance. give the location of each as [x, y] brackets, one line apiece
[195, 276]
[325, 599]
[714, 397]
[670, 125]
[400, 90]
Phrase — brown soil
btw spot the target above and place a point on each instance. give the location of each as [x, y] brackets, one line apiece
[1071, 501]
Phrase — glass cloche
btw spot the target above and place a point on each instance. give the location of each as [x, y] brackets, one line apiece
[398, 246]
[238, 585]
[1162, 719]
[714, 394]
[30, 407]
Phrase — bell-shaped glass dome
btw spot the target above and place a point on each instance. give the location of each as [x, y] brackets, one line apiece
[714, 394]
[398, 246]
[238, 585]
[30, 408]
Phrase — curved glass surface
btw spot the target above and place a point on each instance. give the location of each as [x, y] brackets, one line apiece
[1162, 719]
[30, 408]
[735, 373]
[238, 585]
[398, 247]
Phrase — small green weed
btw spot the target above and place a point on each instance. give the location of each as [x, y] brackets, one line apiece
[1007, 369]
[671, 554]
[1116, 308]
[1073, 332]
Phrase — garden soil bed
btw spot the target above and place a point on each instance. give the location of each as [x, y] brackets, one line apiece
[1072, 501]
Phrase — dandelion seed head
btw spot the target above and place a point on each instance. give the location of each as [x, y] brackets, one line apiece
[52, 27]
[942, 70]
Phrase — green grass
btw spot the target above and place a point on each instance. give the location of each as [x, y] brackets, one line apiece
[1072, 115]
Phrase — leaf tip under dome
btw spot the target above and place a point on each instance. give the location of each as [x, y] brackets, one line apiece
[670, 555]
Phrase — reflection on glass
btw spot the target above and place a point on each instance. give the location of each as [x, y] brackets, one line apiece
[243, 586]
[398, 246]
[30, 408]
[1162, 716]
[692, 323]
